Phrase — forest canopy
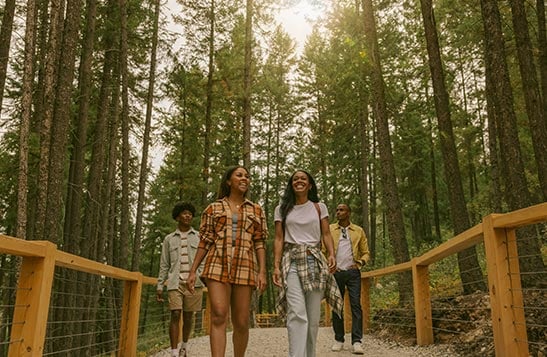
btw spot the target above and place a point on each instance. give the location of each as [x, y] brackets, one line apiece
[423, 117]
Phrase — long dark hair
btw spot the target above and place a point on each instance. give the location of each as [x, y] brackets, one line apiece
[288, 200]
[224, 189]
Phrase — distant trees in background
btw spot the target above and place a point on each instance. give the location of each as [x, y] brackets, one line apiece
[423, 118]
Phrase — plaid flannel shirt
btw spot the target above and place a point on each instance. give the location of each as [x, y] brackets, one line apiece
[323, 281]
[216, 237]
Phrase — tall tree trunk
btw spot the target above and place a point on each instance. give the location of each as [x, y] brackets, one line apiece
[143, 175]
[531, 89]
[247, 84]
[95, 205]
[364, 126]
[5, 40]
[542, 47]
[75, 192]
[495, 172]
[208, 106]
[434, 194]
[391, 199]
[364, 155]
[75, 189]
[110, 227]
[468, 263]
[61, 122]
[516, 187]
[24, 127]
[50, 71]
[124, 215]
[41, 38]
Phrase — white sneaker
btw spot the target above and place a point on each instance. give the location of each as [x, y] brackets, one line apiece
[357, 349]
[182, 352]
[337, 346]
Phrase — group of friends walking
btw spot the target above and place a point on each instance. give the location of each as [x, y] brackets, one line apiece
[312, 260]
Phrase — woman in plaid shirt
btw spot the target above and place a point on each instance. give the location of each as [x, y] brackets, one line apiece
[232, 233]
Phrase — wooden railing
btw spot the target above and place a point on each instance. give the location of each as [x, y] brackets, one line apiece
[497, 231]
[39, 259]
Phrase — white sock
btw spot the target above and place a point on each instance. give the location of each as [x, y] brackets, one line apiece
[183, 345]
[174, 352]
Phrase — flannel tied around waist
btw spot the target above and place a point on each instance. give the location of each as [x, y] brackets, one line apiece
[298, 253]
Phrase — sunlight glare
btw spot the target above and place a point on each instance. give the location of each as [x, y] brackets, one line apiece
[296, 20]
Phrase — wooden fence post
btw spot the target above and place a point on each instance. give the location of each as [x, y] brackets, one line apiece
[422, 304]
[504, 285]
[130, 316]
[32, 303]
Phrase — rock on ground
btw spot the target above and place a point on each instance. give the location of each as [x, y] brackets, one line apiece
[273, 342]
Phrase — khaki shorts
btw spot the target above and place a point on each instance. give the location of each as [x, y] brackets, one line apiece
[183, 299]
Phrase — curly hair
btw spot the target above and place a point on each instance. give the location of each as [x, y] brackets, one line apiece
[183, 206]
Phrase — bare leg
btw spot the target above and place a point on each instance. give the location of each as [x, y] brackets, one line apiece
[219, 294]
[240, 302]
[174, 328]
[187, 320]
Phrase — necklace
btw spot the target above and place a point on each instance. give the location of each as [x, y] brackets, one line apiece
[233, 203]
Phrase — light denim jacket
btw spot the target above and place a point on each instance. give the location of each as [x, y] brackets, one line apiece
[170, 259]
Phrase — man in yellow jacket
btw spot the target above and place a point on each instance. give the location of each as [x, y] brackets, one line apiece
[351, 250]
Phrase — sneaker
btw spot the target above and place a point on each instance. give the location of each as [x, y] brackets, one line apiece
[182, 352]
[337, 346]
[357, 349]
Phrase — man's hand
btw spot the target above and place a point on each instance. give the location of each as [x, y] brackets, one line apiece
[191, 281]
[159, 296]
[332, 264]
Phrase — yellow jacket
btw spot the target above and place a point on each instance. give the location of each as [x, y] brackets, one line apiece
[359, 245]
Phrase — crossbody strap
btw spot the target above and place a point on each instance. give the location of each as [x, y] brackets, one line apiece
[318, 215]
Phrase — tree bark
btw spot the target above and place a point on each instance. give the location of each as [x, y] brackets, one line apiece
[124, 214]
[208, 106]
[24, 127]
[75, 190]
[390, 194]
[531, 89]
[61, 122]
[49, 83]
[516, 191]
[143, 175]
[470, 272]
[5, 40]
[247, 84]
[542, 47]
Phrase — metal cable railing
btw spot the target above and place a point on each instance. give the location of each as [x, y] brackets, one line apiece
[57, 304]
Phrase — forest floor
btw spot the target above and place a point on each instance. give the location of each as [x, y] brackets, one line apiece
[465, 323]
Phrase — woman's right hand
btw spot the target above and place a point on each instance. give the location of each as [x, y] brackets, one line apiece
[276, 277]
[191, 281]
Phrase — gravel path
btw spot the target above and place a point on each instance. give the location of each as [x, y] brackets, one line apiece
[272, 342]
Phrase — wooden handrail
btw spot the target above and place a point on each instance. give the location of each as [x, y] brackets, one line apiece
[497, 231]
[522, 217]
[74, 262]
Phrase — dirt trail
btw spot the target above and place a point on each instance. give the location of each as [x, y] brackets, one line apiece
[272, 342]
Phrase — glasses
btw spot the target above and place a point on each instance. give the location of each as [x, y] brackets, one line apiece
[344, 234]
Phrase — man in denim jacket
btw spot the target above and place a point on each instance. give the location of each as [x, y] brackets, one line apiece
[177, 256]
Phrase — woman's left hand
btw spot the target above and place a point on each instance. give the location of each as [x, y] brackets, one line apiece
[261, 282]
[332, 264]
